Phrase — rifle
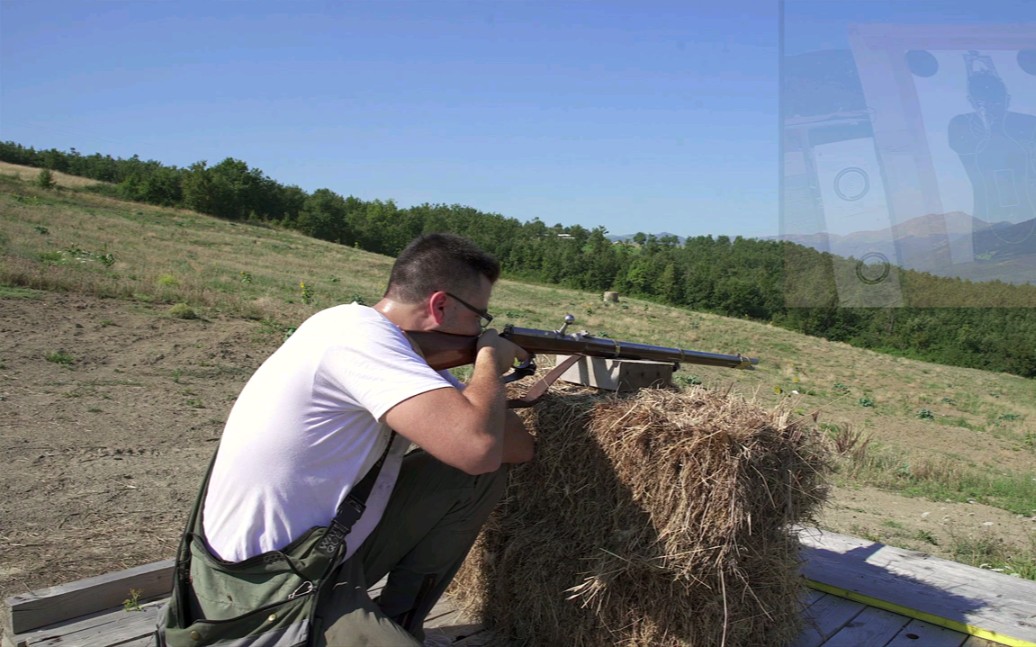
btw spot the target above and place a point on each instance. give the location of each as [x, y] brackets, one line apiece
[445, 350]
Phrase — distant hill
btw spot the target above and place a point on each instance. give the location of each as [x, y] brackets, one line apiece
[951, 244]
[626, 237]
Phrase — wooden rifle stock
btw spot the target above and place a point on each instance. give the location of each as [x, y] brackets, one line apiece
[444, 350]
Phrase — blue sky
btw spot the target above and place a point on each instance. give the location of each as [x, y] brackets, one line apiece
[638, 116]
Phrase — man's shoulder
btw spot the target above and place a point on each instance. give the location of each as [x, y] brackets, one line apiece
[344, 326]
[962, 125]
[1021, 121]
[350, 314]
[353, 309]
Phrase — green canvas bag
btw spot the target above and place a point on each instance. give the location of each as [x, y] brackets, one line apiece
[268, 600]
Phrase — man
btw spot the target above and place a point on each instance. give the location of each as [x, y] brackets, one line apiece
[317, 415]
[997, 147]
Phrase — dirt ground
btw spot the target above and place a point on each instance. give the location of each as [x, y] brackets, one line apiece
[110, 411]
[926, 526]
[104, 451]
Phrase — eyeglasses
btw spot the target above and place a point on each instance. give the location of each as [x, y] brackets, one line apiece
[482, 314]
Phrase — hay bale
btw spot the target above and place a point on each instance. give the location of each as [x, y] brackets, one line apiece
[660, 518]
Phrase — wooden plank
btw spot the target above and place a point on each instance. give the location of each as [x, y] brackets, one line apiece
[452, 634]
[824, 618]
[919, 633]
[58, 603]
[443, 614]
[118, 627]
[811, 596]
[970, 600]
[142, 642]
[115, 627]
[975, 641]
[446, 625]
[871, 627]
[484, 638]
[443, 618]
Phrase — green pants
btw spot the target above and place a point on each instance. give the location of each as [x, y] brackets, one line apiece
[432, 519]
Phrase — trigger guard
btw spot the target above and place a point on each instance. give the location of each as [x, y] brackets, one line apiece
[525, 369]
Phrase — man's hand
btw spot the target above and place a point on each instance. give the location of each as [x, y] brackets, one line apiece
[504, 353]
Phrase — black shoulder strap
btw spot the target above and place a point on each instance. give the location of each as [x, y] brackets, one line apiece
[352, 506]
[349, 509]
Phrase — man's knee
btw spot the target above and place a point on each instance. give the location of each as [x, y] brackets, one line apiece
[493, 483]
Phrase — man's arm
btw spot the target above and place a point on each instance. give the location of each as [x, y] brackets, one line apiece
[519, 445]
[463, 428]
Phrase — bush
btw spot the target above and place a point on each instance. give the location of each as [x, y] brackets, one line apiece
[182, 311]
[45, 179]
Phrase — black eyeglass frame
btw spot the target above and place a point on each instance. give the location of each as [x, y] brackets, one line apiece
[483, 314]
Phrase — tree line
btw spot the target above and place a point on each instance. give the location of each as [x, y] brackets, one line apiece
[736, 277]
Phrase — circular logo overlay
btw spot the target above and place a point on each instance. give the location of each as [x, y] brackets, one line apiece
[922, 63]
[852, 183]
[873, 268]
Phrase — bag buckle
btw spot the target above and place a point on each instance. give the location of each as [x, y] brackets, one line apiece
[350, 512]
[304, 589]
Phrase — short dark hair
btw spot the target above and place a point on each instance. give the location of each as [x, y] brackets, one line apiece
[439, 262]
[986, 86]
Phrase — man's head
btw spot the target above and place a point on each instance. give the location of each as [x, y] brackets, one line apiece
[449, 274]
[988, 96]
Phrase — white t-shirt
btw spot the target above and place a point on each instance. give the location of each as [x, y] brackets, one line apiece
[305, 430]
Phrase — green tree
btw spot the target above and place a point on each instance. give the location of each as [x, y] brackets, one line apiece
[668, 286]
[45, 179]
[228, 190]
[324, 215]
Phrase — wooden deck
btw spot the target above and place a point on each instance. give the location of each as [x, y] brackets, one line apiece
[859, 593]
[979, 603]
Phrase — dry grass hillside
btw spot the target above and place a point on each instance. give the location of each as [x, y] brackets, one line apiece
[127, 330]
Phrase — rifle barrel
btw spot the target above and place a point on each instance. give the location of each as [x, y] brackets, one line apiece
[549, 341]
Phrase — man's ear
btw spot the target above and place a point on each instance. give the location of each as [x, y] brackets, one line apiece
[437, 306]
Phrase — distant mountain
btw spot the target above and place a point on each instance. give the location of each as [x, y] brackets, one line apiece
[948, 244]
[625, 237]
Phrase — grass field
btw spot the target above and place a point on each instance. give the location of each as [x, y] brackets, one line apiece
[918, 429]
